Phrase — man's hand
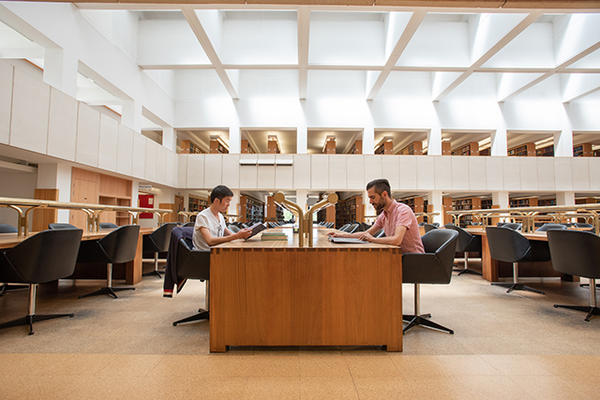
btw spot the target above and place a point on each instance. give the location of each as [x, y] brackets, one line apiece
[366, 236]
[243, 233]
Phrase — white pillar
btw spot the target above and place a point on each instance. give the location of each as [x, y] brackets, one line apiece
[60, 70]
[368, 145]
[499, 143]
[563, 140]
[565, 198]
[500, 199]
[169, 138]
[134, 193]
[435, 199]
[56, 176]
[186, 200]
[301, 140]
[132, 115]
[434, 141]
[235, 140]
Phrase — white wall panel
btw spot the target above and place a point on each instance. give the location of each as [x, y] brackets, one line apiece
[545, 173]
[373, 167]
[88, 135]
[442, 166]
[355, 172]
[512, 175]
[161, 167]
[529, 176]
[562, 173]
[408, 173]
[195, 171]
[213, 168]
[424, 172]
[319, 179]
[172, 173]
[477, 173]
[266, 173]
[6, 83]
[302, 166]
[150, 162]
[107, 155]
[231, 170]
[337, 172]
[62, 125]
[30, 105]
[284, 177]
[581, 174]
[125, 150]
[139, 155]
[494, 175]
[594, 165]
[390, 167]
[182, 171]
[460, 172]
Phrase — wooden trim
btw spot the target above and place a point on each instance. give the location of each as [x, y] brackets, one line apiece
[41, 218]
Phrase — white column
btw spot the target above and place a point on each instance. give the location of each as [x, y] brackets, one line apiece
[235, 200]
[435, 198]
[301, 140]
[186, 200]
[565, 198]
[301, 197]
[499, 137]
[368, 145]
[434, 141]
[134, 193]
[60, 70]
[563, 140]
[132, 115]
[169, 138]
[235, 140]
[56, 176]
[500, 199]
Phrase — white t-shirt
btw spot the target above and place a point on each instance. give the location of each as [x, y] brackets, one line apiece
[215, 225]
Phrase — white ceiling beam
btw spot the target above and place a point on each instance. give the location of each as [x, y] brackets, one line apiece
[559, 69]
[190, 15]
[407, 34]
[575, 86]
[303, 46]
[499, 45]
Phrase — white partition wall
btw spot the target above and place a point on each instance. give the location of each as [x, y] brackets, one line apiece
[62, 129]
[6, 83]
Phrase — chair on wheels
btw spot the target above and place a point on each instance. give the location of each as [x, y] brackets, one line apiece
[155, 243]
[56, 226]
[551, 227]
[108, 225]
[434, 266]
[577, 253]
[467, 242]
[193, 264]
[44, 257]
[117, 247]
[508, 245]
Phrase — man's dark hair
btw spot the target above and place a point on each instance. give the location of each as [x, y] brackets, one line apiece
[380, 185]
[220, 192]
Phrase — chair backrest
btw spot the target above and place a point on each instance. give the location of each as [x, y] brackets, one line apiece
[57, 226]
[45, 256]
[344, 227]
[429, 227]
[513, 225]
[192, 263]
[507, 244]
[464, 238]
[108, 225]
[162, 236]
[575, 253]
[233, 228]
[435, 266]
[6, 228]
[352, 228]
[120, 245]
[551, 227]
[187, 224]
[442, 242]
[380, 234]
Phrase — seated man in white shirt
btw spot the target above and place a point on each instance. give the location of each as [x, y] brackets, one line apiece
[210, 228]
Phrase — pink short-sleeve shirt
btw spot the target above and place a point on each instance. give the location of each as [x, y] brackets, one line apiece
[401, 214]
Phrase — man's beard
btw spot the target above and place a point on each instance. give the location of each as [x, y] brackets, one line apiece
[379, 208]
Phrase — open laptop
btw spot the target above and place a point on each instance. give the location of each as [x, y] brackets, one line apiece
[346, 240]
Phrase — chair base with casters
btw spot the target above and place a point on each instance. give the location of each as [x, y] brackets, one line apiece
[202, 313]
[421, 319]
[109, 289]
[592, 309]
[515, 285]
[31, 316]
[466, 269]
[156, 272]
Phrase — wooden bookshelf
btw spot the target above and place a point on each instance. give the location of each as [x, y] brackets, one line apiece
[217, 148]
[469, 149]
[469, 203]
[413, 149]
[583, 150]
[486, 152]
[546, 202]
[356, 147]
[385, 147]
[524, 150]
[349, 210]
[446, 148]
[524, 202]
[197, 204]
[447, 206]
[250, 209]
[547, 151]
[274, 212]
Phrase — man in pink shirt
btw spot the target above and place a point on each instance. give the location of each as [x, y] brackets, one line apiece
[396, 219]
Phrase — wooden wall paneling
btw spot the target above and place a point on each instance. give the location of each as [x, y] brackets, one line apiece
[6, 88]
[85, 187]
[43, 217]
[62, 125]
[29, 115]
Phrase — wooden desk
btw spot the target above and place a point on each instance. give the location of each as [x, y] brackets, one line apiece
[133, 269]
[274, 293]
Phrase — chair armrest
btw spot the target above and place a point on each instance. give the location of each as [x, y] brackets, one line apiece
[424, 268]
[192, 263]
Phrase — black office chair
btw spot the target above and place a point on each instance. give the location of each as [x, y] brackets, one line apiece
[577, 253]
[117, 247]
[467, 242]
[352, 228]
[6, 228]
[155, 243]
[44, 257]
[330, 224]
[188, 224]
[512, 225]
[436, 224]
[343, 227]
[108, 225]
[429, 227]
[194, 264]
[551, 227]
[434, 266]
[380, 234]
[233, 228]
[56, 226]
[508, 245]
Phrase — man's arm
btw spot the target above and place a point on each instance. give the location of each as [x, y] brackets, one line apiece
[372, 230]
[395, 240]
[213, 240]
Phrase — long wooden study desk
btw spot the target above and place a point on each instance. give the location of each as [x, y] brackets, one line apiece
[133, 270]
[273, 293]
